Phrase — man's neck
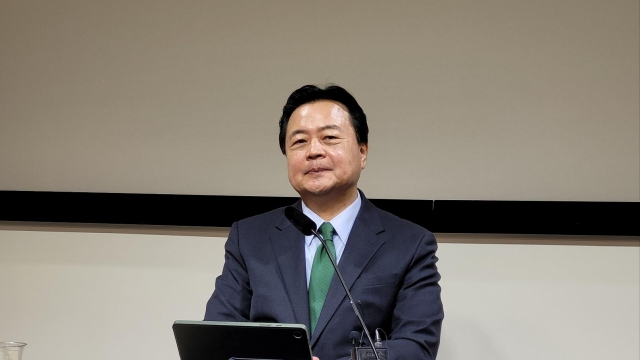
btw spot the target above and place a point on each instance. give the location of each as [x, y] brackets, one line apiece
[329, 206]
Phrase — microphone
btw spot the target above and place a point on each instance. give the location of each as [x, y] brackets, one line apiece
[308, 227]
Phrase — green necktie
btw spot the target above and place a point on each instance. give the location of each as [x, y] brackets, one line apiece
[321, 274]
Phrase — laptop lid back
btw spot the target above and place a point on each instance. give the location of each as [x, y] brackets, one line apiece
[223, 340]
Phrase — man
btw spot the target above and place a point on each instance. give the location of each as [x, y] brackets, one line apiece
[389, 264]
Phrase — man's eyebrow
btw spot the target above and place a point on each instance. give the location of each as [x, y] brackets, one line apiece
[323, 128]
[296, 132]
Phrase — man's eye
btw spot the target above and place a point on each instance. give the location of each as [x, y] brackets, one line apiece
[299, 141]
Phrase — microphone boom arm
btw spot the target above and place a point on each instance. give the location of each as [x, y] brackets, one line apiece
[346, 289]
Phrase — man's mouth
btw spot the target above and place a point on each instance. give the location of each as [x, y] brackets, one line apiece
[316, 170]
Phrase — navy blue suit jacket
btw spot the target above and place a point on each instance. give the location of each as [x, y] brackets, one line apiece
[389, 265]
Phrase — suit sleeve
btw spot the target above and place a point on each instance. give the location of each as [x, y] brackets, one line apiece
[231, 299]
[418, 313]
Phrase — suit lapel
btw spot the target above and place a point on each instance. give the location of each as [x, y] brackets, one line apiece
[288, 246]
[362, 244]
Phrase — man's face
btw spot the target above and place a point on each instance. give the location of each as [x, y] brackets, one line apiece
[323, 154]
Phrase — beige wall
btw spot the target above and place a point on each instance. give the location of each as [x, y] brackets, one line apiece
[498, 99]
[103, 296]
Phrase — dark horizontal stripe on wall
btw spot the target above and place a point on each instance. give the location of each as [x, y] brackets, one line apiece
[444, 216]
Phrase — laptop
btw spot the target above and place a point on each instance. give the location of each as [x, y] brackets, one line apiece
[223, 340]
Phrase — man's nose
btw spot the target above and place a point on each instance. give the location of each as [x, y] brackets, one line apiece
[316, 150]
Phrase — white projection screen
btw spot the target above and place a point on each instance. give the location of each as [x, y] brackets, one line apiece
[473, 100]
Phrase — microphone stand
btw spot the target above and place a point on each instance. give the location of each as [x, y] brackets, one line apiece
[346, 289]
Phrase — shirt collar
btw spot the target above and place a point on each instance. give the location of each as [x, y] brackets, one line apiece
[342, 223]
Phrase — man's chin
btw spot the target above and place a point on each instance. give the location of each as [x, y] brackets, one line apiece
[319, 191]
[324, 191]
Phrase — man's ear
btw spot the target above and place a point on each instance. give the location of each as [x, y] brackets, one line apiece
[364, 151]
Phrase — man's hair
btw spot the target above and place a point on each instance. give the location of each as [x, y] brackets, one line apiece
[311, 93]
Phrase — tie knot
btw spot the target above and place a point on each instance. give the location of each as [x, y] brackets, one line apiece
[326, 230]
